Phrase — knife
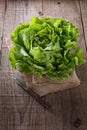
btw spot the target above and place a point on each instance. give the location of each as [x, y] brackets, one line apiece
[37, 97]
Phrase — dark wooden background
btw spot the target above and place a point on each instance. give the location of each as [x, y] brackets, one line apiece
[18, 111]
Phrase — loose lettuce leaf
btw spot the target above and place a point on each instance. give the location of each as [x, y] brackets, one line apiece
[47, 46]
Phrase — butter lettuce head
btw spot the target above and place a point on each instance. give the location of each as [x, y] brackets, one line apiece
[46, 46]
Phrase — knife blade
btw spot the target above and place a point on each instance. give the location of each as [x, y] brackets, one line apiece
[37, 97]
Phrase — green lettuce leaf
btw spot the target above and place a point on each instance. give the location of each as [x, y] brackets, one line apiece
[46, 46]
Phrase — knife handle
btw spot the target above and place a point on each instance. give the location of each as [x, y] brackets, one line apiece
[39, 99]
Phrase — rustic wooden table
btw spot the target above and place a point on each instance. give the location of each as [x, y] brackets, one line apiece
[18, 111]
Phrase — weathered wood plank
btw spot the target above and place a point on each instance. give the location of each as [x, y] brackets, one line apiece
[5, 74]
[83, 92]
[6, 71]
[24, 111]
[2, 12]
[70, 101]
[83, 9]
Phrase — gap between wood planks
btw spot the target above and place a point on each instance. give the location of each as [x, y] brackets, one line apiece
[82, 24]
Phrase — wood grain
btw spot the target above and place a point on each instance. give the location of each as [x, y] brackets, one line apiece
[2, 12]
[83, 9]
[18, 111]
